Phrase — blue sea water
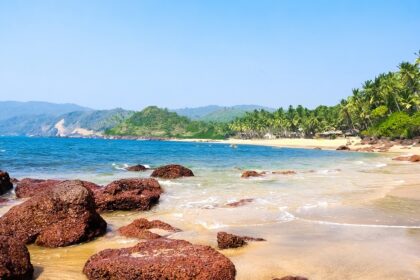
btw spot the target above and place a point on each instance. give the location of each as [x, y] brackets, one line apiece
[23, 156]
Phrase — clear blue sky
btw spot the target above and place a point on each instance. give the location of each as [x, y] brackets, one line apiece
[131, 54]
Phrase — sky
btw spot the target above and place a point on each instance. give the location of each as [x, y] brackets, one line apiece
[131, 54]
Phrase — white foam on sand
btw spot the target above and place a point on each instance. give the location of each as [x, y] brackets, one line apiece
[360, 225]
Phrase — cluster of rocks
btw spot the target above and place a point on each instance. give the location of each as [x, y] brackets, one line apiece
[62, 213]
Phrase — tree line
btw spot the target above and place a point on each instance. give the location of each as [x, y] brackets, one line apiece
[387, 106]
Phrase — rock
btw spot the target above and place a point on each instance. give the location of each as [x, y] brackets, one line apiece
[226, 240]
[284, 172]
[291, 278]
[3, 200]
[14, 180]
[140, 229]
[61, 216]
[29, 187]
[413, 158]
[251, 173]
[128, 194]
[15, 261]
[172, 171]
[343, 148]
[317, 148]
[160, 259]
[5, 184]
[240, 202]
[136, 168]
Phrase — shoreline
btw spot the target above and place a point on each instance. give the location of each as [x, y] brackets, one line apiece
[354, 143]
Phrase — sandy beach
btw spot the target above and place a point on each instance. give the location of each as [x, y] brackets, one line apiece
[303, 143]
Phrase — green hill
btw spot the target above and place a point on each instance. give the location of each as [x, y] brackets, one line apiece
[157, 122]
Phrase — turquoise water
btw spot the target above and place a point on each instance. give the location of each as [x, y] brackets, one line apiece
[23, 156]
[333, 219]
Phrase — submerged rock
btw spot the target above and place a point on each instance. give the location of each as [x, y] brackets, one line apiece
[172, 171]
[61, 216]
[343, 148]
[240, 202]
[413, 158]
[251, 173]
[5, 183]
[140, 229]
[128, 194]
[29, 187]
[15, 261]
[136, 168]
[284, 172]
[226, 240]
[160, 259]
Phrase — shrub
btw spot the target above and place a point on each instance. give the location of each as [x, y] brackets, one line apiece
[397, 125]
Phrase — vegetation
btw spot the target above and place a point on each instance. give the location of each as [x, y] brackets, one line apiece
[385, 106]
[157, 122]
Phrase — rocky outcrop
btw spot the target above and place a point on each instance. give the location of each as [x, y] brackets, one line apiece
[61, 216]
[136, 168]
[343, 148]
[290, 277]
[29, 187]
[15, 261]
[413, 158]
[251, 173]
[160, 259]
[226, 240]
[5, 183]
[172, 171]
[240, 202]
[140, 229]
[128, 194]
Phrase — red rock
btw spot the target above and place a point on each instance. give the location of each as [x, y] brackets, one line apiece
[128, 194]
[284, 172]
[15, 261]
[5, 184]
[3, 200]
[140, 229]
[291, 278]
[172, 171]
[136, 168]
[61, 216]
[29, 187]
[413, 158]
[251, 173]
[240, 202]
[160, 259]
[343, 148]
[226, 240]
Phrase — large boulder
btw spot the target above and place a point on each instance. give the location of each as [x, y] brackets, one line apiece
[15, 261]
[5, 183]
[128, 194]
[226, 240]
[28, 187]
[172, 171]
[140, 229]
[61, 216]
[160, 259]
